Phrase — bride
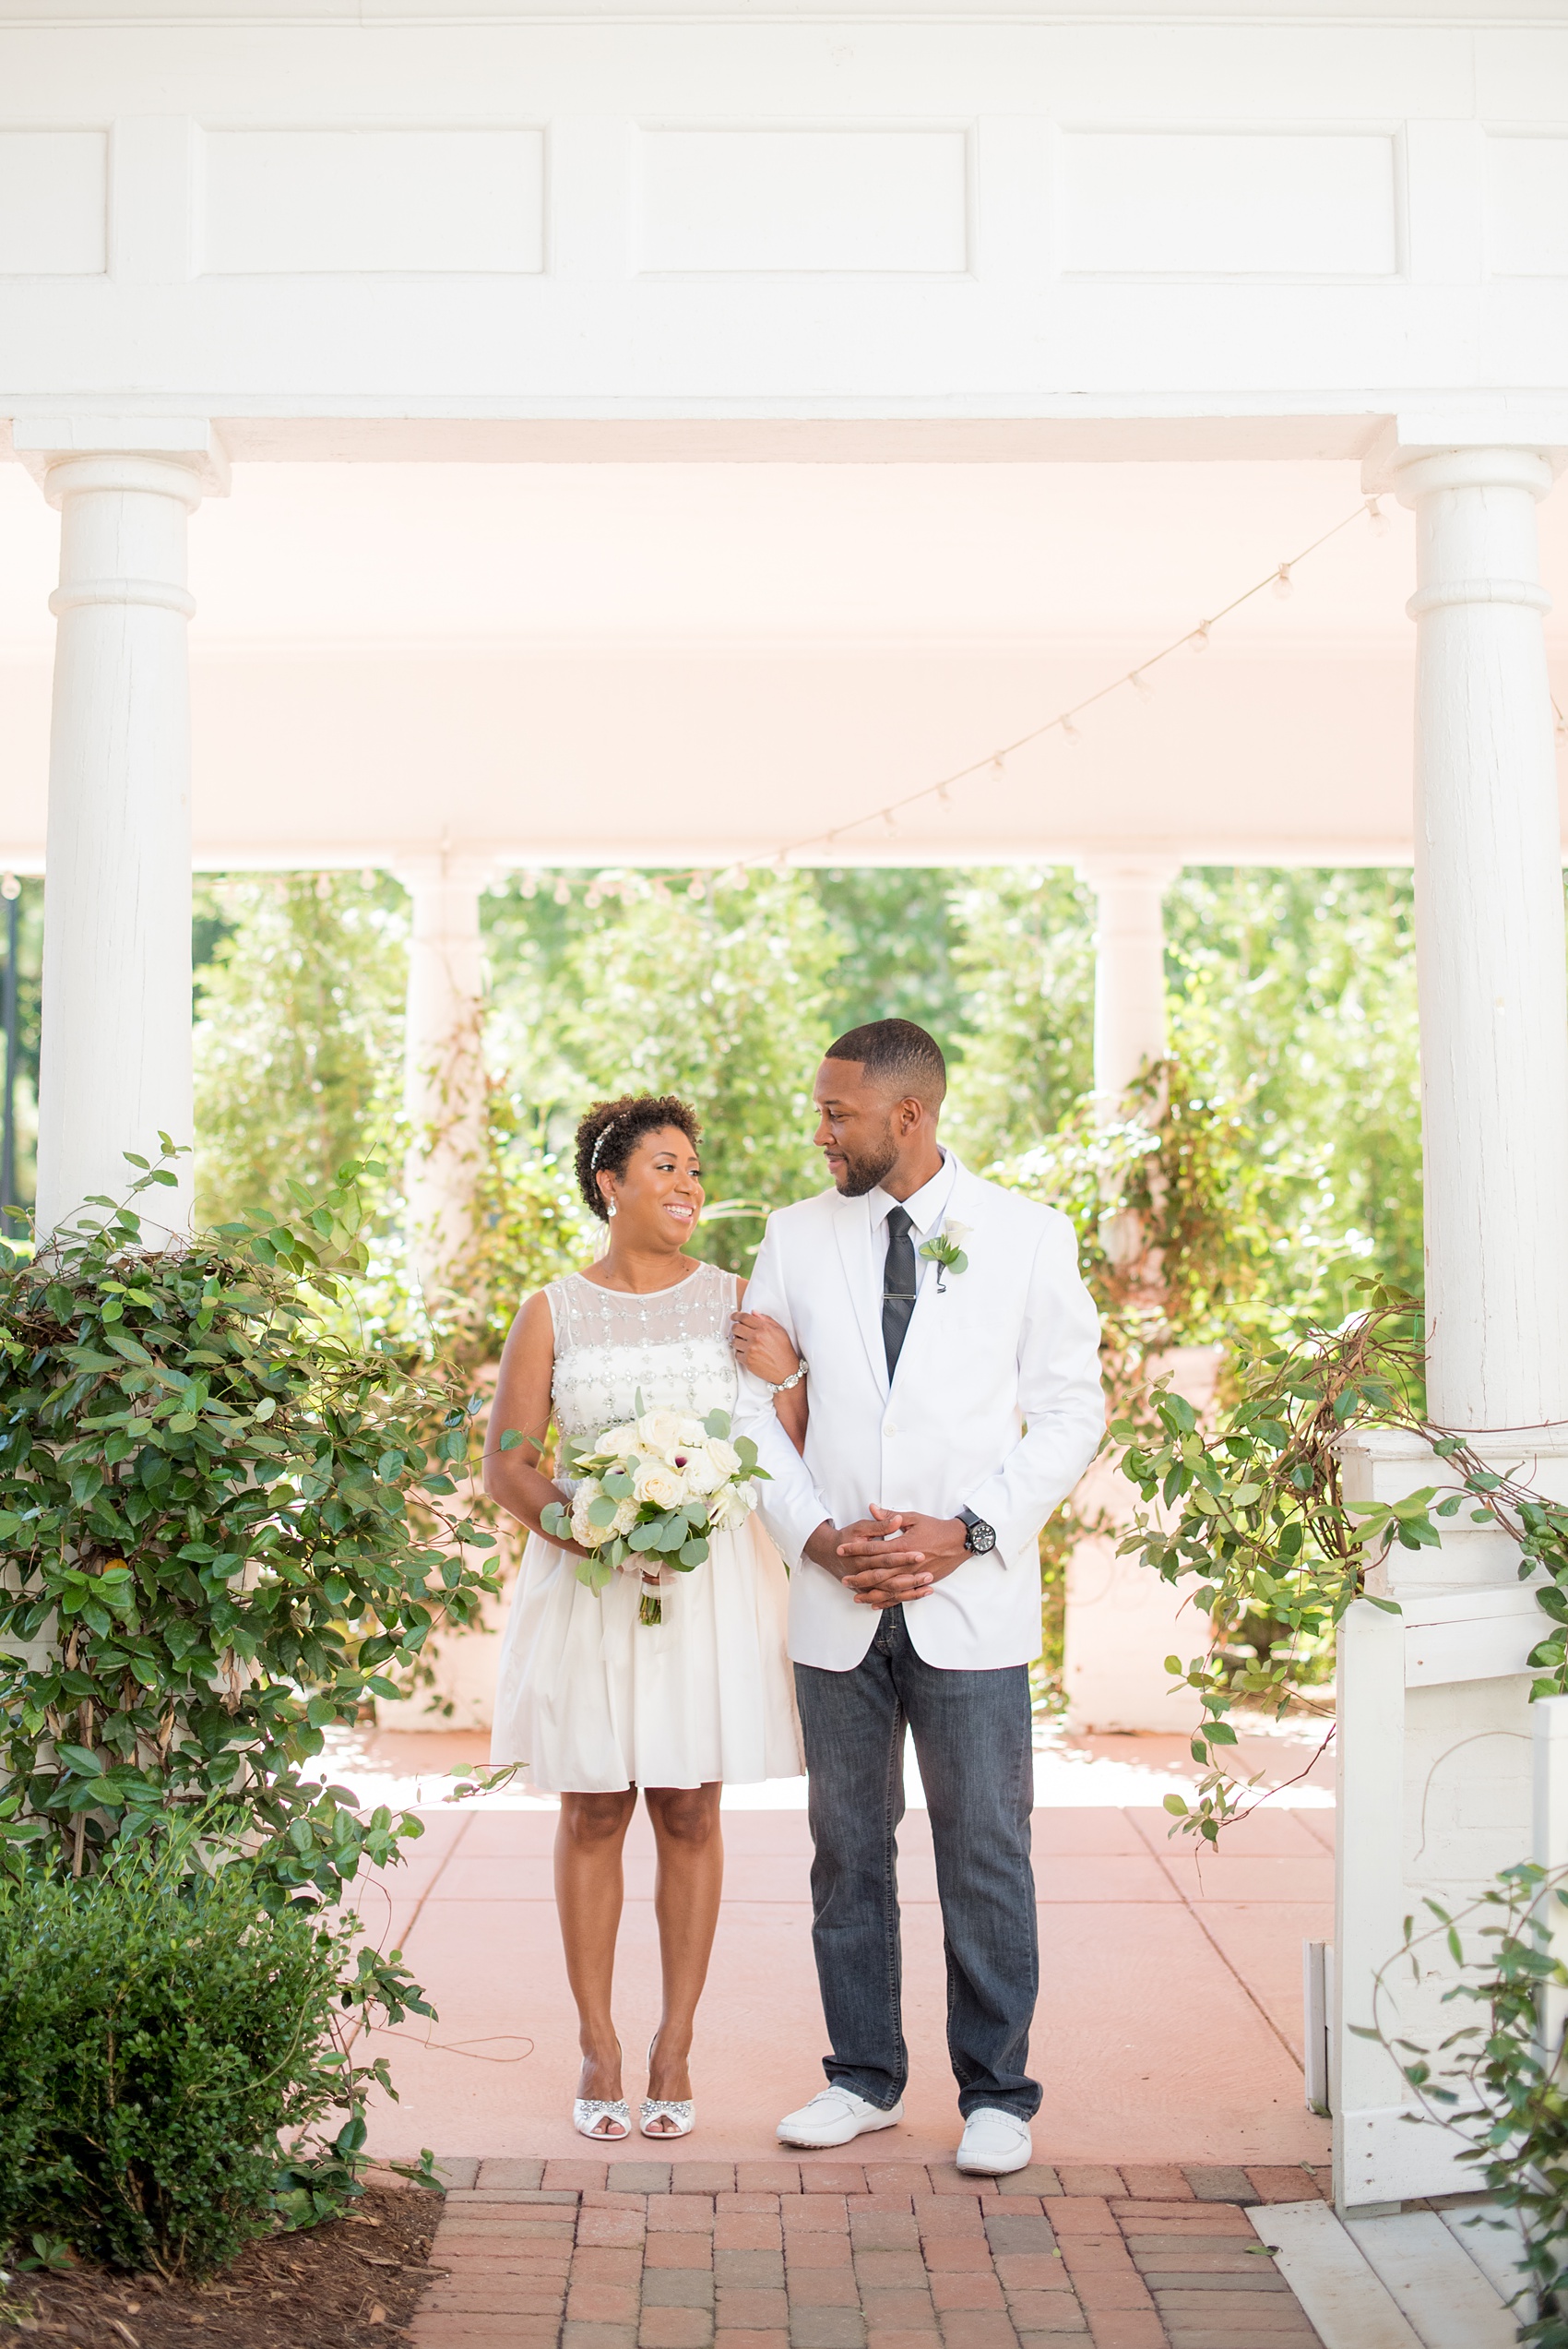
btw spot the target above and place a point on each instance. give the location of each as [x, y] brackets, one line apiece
[591, 1703]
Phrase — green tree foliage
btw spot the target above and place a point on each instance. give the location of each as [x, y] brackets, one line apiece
[30, 989]
[1024, 968]
[1294, 993]
[721, 996]
[899, 932]
[299, 1038]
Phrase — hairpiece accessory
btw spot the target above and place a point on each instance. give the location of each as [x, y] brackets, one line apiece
[604, 1133]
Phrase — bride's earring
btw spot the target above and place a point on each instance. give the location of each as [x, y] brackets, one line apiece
[611, 1208]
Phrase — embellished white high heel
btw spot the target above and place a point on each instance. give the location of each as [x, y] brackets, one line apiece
[677, 2111]
[588, 2112]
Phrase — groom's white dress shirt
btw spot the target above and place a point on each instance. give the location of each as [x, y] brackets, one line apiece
[995, 1406]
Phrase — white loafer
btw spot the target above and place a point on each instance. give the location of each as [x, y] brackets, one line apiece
[833, 2116]
[994, 2143]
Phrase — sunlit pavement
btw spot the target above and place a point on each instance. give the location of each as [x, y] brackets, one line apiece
[1170, 2020]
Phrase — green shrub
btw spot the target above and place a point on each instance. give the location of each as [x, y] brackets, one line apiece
[221, 1520]
[160, 2031]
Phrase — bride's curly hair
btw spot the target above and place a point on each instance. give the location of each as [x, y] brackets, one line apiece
[611, 1130]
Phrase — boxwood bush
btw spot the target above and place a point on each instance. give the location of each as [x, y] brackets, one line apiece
[163, 2031]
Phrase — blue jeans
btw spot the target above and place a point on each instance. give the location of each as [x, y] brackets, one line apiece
[975, 1750]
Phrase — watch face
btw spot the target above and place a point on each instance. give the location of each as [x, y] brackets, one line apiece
[982, 1537]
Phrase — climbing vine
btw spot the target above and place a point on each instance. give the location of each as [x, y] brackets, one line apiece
[1255, 1507]
[1498, 2084]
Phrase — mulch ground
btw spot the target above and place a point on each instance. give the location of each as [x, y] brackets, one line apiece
[349, 2284]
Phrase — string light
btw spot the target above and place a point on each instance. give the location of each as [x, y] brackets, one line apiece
[1195, 639]
[10, 889]
[1377, 518]
[1141, 685]
[530, 884]
[998, 767]
[562, 893]
[697, 886]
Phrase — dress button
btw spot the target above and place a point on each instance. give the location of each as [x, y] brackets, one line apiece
[890, 1429]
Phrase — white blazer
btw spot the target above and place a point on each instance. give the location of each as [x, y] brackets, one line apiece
[995, 1406]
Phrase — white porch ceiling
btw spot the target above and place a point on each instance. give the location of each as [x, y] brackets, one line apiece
[692, 661]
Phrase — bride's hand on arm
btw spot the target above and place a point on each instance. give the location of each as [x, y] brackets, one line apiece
[512, 1476]
[764, 1348]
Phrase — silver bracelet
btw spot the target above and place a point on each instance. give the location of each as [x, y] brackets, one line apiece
[793, 1379]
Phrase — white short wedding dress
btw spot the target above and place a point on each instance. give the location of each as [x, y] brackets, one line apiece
[590, 1699]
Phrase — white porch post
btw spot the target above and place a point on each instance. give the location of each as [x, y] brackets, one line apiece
[1123, 1622]
[1447, 1678]
[1129, 969]
[1490, 945]
[115, 1059]
[444, 1060]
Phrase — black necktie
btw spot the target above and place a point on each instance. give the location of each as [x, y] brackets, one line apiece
[897, 1286]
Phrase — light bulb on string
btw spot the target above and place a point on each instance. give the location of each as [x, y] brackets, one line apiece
[10, 889]
[531, 885]
[1560, 728]
[889, 819]
[998, 770]
[697, 886]
[1377, 519]
[1070, 732]
[1199, 637]
[592, 900]
[944, 797]
[1282, 582]
[562, 894]
[1141, 685]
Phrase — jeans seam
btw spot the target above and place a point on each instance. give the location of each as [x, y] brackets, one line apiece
[890, 1881]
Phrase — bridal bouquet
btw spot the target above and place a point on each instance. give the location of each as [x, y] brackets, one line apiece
[651, 1492]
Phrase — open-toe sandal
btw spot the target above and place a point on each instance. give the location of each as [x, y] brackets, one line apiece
[589, 2112]
[676, 2110]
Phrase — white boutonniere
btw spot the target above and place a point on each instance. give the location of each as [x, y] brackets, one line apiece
[945, 1250]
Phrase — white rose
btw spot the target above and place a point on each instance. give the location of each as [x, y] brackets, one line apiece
[703, 1473]
[724, 1456]
[732, 1507]
[659, 1430]
[659, 1483]
[692, 1432]
[618, 1441]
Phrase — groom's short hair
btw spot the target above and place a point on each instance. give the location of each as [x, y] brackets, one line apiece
[896, 1053]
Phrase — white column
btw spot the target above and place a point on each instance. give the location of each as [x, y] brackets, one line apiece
[1123, 1621]
[1490, 944]
[115, 1059]
[1129, 970]
[444, 1056]
[1450, 1729]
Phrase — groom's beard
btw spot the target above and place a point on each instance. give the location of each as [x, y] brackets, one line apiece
[863, 1174]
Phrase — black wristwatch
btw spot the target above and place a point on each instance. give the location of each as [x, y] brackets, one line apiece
[980, 1536]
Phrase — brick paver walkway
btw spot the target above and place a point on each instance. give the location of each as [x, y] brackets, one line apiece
[838, 2255]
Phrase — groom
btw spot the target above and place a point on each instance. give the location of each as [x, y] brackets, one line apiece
[954, 1385]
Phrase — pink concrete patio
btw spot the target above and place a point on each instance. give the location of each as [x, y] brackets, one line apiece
[1169, 2022]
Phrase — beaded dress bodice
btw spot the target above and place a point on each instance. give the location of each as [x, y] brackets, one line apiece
[672, 1348]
